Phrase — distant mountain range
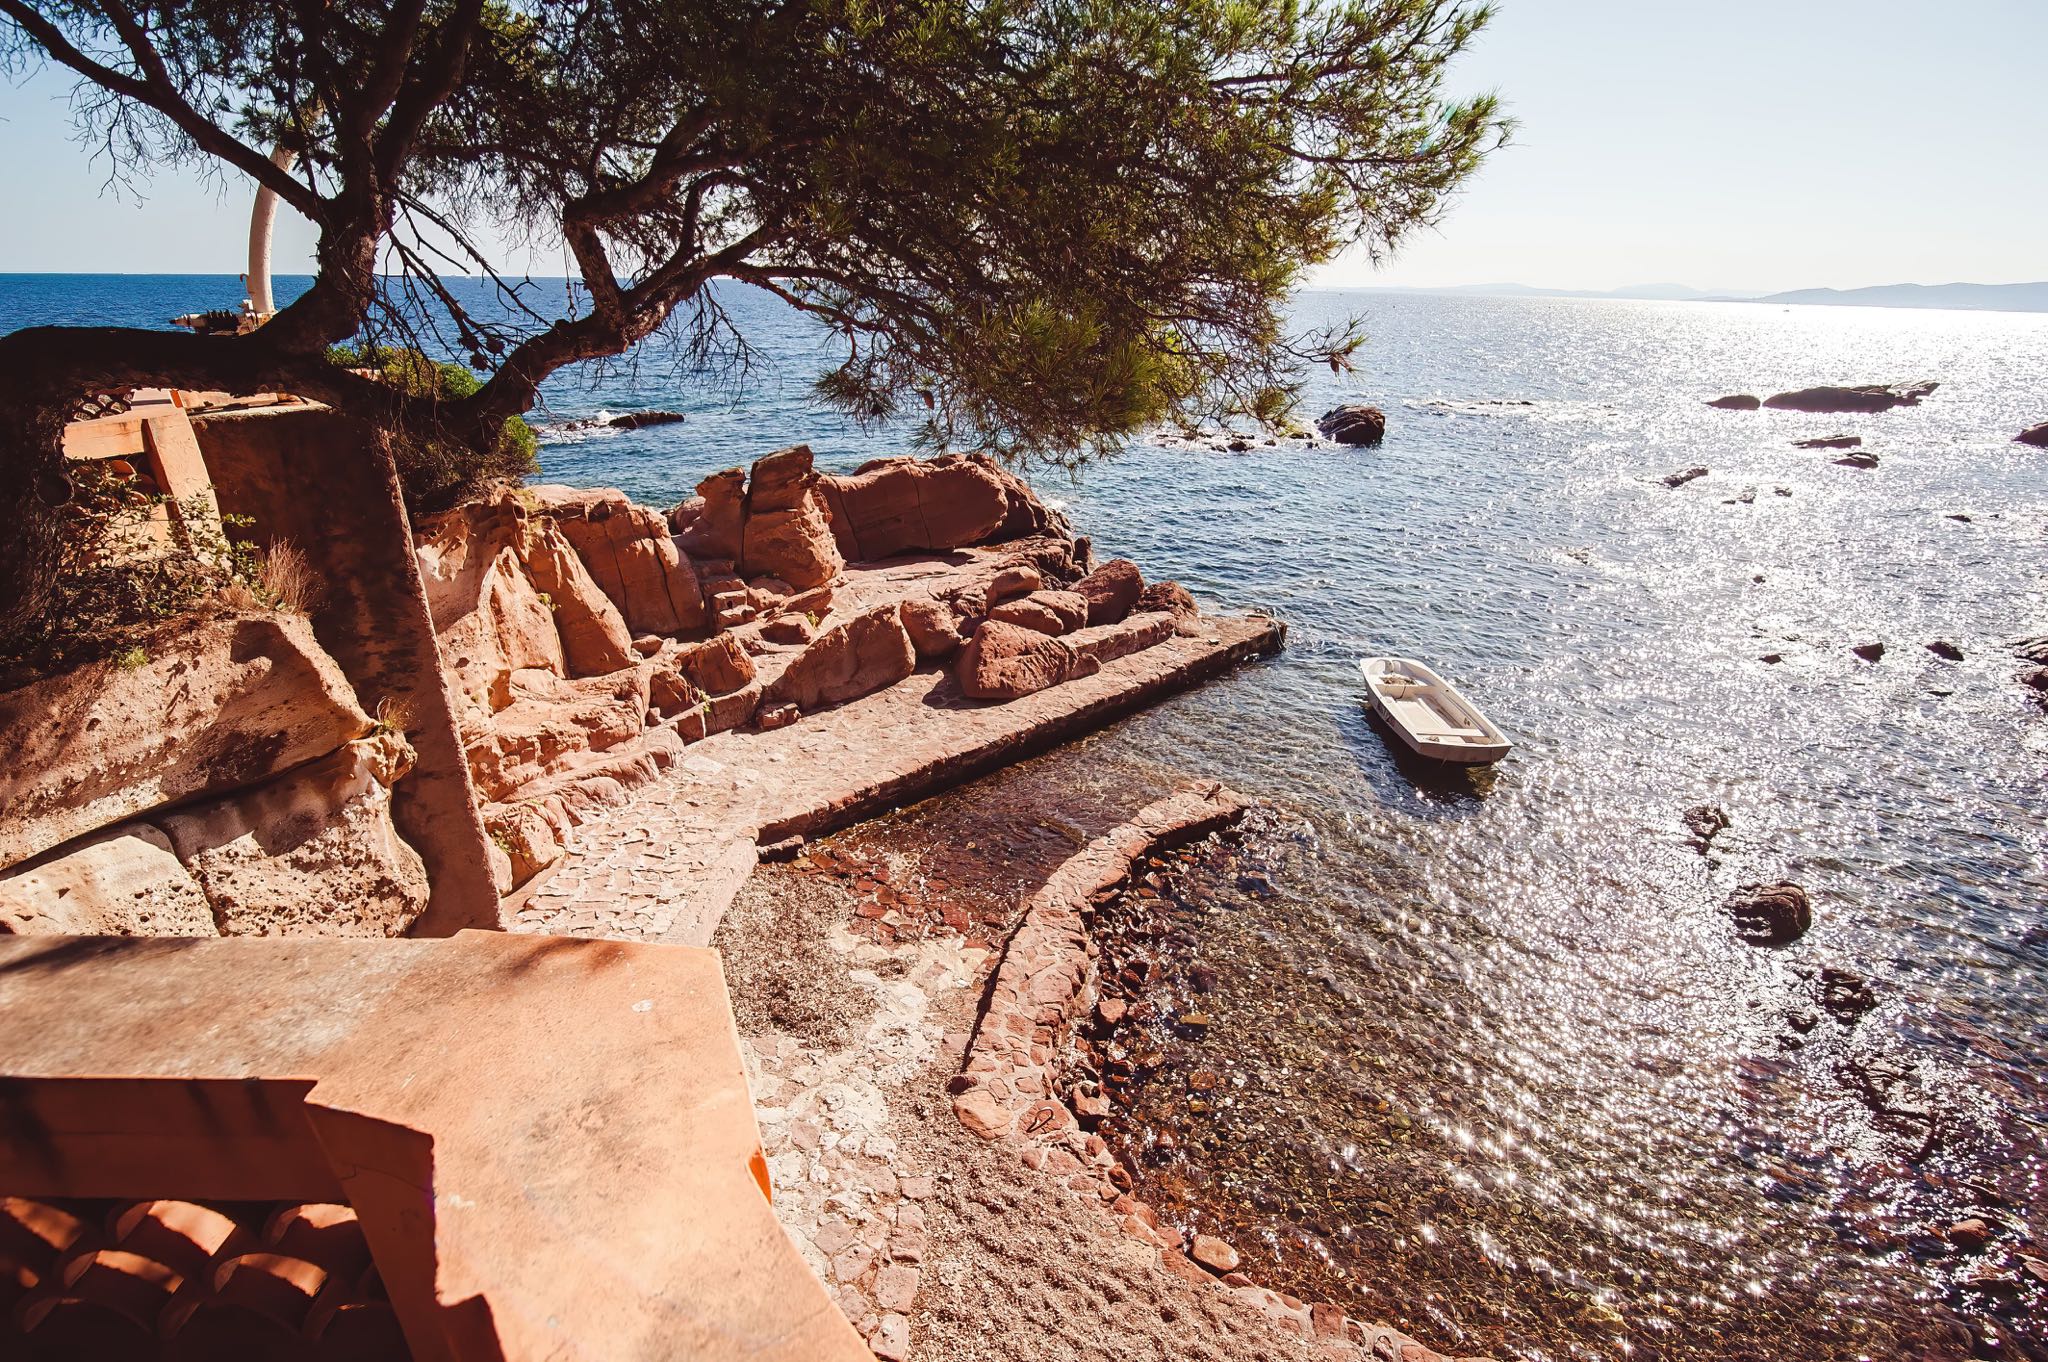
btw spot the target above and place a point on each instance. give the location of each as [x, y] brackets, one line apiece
[1970, 297]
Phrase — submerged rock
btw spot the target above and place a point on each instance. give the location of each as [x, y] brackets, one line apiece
[1770, 914]
[1354, 423]
[1830, 442]
[1945, 650]
[1705, 822]
[1869, 652]
[1862, 398]
[1845, 995]
[1860, 459]
[1737, 402]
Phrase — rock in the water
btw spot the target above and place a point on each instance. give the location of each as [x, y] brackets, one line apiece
[1861, 458]
[1683, 476]
[1705, 823]
[1830, 442]
[636, 420]
[1770, 914]
[1354, 423]
[2034, 435]
[1006, 661]
[857, 658]
[2033, 649]
[1173, 599]
[788, 532]
[122, 882]
[1945, 650]
[903, 505]
[1869, 651]
[1737, 402]
[1111, 590]
[1845, 995]
[1214, 1253]
[2036, 680]
[212, 707]
[1867, 397]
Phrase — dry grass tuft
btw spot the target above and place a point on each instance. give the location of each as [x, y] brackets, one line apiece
[288, 580]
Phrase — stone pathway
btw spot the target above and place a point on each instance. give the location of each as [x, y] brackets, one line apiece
[666, 863]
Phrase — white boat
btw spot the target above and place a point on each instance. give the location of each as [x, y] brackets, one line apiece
[1429, 714]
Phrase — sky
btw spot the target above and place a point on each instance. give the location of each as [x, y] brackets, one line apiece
[1744, 146]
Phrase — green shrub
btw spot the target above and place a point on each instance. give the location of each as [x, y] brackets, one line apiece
[437, 472]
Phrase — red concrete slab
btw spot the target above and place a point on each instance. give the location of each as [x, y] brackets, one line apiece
[548, 1141]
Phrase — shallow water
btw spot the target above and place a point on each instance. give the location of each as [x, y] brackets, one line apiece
[1498, 1067]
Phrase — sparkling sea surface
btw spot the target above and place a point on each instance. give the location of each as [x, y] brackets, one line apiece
[1491, 1062]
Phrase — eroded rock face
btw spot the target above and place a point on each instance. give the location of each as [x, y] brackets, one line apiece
[548, 722]
[1111, 590]
[594, 636]
[631, 555]
[1049, 612]
[1353, 424]
[857, 658]
[1866, 397]
[934, 627]
[216, 706]
[709, 524]
[312, 853]
[125, 881]
[1171, 598]
[787, 533]
[894, 506]
[487, 612]
[1007, 661]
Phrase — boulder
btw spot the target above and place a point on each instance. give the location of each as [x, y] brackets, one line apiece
[631, 555]
[1945, 650]
[1005, 661]
[1705, 822]
[125, 881]
[1111, 590]
[488, 615]
[2034, 435]
[594, 636]
[1867, 397]
[1737, 402]
[1024, 514]
[1049, 612]
[787, 532]
[1770, 914]
[1353, 424]
[311, 853]
[857, 658]
[709, 524]
[1014, 581]
[895, 506]
[639, 420]
[1869, 651]
[1683, 476]
[214, 705]
[933, 626]
[1171, 598]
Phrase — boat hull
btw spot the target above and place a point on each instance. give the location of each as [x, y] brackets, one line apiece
[1429, 716]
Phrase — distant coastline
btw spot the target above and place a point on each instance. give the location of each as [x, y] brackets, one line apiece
[1963, 297]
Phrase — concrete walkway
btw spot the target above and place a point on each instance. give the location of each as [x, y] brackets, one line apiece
[666, 864]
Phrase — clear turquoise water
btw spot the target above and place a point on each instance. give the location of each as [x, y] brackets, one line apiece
[1508, 1008]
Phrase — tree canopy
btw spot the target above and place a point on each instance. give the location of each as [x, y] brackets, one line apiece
[1037, 226]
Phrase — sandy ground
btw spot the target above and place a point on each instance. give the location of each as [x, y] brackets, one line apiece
[938, 1246]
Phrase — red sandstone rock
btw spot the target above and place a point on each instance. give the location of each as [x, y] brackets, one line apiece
[709, 524]
[214, 707]
[787, 533]
[787, 629]
[1173, 599]
[595, 639]
[1005, 661]
[1014, 581]
[1111, 590]
[904, 505]
[933, 626]
[1024, 514]
[868, 652]
[1104, 644]
[979, 1111]
[1027, 613]
[770, 717]
[124, 881]
[631, 555]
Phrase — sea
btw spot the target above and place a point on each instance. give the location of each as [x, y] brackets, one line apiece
[1484, 1055]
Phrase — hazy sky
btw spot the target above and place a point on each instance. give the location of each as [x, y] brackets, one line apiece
[1740, 145]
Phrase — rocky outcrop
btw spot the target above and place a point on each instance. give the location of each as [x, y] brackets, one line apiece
[125, 881]
[1737, 402]
[857, 658]
[2034, 435]
[211, 707]
[935, 627]
[593, 634]
[1683, 476]
[1048, 612]
[1353, 424]
[1007, 661]
[904, 505]
[788, 533]
[640, 420]
[631, 555]
[1024, 514]
[488, 615]
[1111, 590]
[549, 721]
[1865, 398]
[709, 525]
[311, 854]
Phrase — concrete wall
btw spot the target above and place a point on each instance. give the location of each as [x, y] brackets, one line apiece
[324, 482]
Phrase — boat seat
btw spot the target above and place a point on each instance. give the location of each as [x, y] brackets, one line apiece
[1423, 719]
